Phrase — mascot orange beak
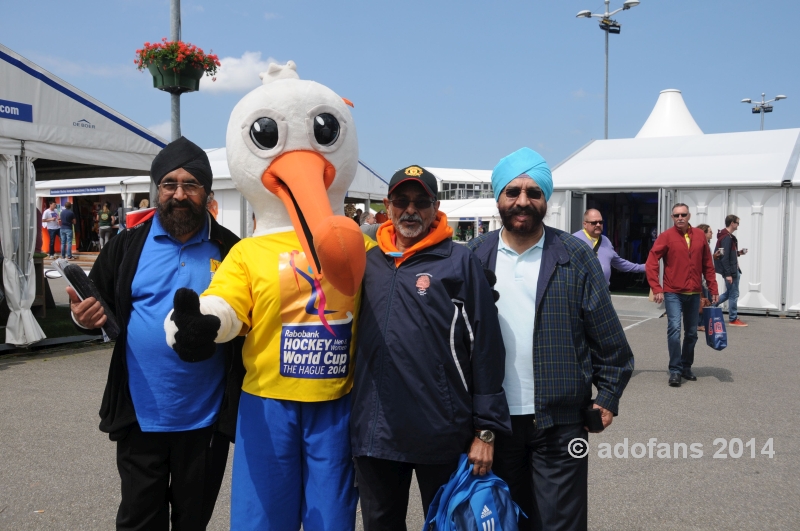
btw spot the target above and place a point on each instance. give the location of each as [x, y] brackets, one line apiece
[334, 245]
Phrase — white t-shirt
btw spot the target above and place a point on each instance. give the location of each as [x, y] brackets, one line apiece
[51, 218]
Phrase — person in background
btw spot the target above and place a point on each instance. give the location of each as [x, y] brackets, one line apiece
[368, 225]
[213, 206]
[592, 234]
[50, 220]
[144, 203]
[67, 226]
[104, 222]
[381, 217]
[687, 259]
[727, 265]
[357, 217]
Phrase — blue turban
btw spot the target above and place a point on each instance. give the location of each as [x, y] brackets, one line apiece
[523, 161]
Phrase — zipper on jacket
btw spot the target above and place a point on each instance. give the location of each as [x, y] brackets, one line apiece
[380, 370]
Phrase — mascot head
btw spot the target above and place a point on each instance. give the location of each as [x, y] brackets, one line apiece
[293, 153]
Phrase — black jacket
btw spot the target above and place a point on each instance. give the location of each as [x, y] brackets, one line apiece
[727, 265]
[113, 274]
[430, 359]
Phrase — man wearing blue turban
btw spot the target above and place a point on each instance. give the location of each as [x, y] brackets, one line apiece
[554, 303]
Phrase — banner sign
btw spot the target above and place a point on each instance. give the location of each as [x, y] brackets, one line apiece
[16, 111]
[77, 191]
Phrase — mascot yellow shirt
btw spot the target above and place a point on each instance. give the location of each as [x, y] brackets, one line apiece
[301, 337]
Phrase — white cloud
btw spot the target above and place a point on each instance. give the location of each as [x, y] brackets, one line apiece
[238, 74]
[164, 129]
[270, 16]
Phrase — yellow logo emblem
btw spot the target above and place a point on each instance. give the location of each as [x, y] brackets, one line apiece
[414, 171]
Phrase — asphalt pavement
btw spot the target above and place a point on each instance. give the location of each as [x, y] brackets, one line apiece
[57, 471]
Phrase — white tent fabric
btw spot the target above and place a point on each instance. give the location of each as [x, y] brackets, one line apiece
[757, 158]
[59, 122]
[18, 226]
[461, 176]
[43, 117]
[670, 117]
[468, 209]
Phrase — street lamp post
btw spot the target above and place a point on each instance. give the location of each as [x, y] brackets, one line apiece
[762, 107]
[608, 26]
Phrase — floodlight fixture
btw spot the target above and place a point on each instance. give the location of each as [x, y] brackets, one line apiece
[608, 26]
[762, 107]
[747, 100]
[780, 97]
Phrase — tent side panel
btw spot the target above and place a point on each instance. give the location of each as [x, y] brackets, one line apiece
[709, 207]
[229, 202]
[556, 211]
[793, 277]
[761, 213]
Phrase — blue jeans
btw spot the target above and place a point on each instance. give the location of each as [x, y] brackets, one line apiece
[681, 358]
[66, 243]
[53, 233]
[732, 296]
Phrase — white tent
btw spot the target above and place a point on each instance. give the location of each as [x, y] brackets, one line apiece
[51, 129]
[670, 117]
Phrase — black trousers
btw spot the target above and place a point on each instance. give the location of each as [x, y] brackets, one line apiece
[182, 469]
[383, 488]
[548, 484]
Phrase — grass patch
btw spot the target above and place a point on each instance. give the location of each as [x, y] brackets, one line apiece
[58, 323]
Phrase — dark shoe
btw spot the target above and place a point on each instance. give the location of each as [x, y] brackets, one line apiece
[674, 380]
[690, 376]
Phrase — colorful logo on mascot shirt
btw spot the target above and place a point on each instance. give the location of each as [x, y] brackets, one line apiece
[317, 322]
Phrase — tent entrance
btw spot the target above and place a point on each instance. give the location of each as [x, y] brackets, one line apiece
[631, 223]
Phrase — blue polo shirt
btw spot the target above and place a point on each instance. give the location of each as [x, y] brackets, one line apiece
[170, 394]
[517, 281]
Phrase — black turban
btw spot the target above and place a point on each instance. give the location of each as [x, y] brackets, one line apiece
[182, 153]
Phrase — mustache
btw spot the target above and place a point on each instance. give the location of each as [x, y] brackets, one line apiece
[516, 211]
[411, 217]
[170, 204]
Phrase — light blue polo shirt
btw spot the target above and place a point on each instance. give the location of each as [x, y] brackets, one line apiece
[170, 394]
[517, 278]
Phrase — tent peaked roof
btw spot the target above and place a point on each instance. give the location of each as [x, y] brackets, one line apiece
[59, 122]
[670, 117]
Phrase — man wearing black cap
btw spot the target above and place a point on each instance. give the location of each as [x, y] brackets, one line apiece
[173, 418]
[429, 358]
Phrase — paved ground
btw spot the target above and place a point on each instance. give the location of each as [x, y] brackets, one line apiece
[58, 472]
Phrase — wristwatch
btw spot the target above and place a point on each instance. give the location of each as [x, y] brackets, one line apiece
[486, 436]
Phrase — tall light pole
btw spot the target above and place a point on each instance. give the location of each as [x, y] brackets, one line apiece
[762, 107]
[608, 26]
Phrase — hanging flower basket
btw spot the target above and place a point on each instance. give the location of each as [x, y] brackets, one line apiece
[176, 66]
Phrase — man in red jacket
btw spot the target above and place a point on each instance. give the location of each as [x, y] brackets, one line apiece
[687, 259]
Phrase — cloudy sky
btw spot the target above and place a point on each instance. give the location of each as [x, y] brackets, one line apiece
[440, 83]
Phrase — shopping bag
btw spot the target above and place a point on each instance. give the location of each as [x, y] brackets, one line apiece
[714, 321]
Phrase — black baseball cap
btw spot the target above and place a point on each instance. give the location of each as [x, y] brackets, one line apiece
[415, 173]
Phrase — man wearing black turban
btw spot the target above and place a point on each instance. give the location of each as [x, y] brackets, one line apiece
[173, 417]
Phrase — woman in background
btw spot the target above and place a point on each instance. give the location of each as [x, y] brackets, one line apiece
[104, 222]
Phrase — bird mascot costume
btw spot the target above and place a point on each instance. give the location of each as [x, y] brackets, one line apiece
[294, 289]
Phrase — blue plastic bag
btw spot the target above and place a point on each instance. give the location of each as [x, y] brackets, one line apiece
[716, 334]
[472, 503]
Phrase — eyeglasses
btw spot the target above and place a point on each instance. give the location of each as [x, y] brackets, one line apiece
[680, 215]
[532, 193]
[419, 204]
[594, 223]
[188, 188]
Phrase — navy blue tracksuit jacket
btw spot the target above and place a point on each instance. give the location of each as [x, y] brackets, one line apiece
[430, 359]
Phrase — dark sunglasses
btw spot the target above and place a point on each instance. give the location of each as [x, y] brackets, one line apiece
[532, 193]
[419, 204]
[680, 215]
[593, 223]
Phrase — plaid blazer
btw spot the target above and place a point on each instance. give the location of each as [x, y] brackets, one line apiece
[577, 337]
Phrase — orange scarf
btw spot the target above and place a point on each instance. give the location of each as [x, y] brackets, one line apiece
[439, 232]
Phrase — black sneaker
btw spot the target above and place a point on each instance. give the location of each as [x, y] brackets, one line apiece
[674, 379]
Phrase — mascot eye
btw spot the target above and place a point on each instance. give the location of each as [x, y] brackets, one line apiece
[264, 133]
[326, 129]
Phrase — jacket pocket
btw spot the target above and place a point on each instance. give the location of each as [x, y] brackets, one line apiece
[444, 392]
